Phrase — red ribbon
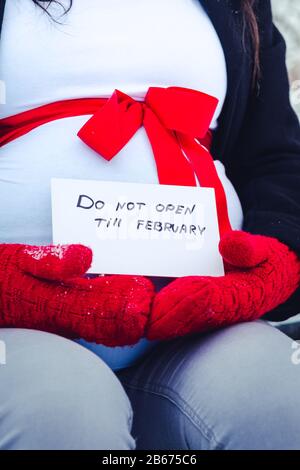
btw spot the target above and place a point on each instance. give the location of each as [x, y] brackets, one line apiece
[175, 120]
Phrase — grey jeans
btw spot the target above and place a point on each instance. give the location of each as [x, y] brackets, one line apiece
[237, 388]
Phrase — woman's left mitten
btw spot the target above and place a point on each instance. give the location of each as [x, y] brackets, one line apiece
[42, 287]
[262, 274]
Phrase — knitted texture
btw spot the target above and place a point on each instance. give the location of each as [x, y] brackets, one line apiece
[261, 273]
[41, 287]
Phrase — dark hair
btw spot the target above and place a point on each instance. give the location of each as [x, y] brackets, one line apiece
[249, 23]
[44, 4]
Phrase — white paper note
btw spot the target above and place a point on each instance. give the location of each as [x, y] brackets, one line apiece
[142, 229]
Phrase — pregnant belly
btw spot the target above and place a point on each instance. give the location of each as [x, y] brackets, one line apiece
[54, 150]
[28, 163]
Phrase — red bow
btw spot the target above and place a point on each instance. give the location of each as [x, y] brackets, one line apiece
[174, 119]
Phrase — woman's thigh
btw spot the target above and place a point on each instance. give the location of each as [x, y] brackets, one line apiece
[237, 388]
[55, 394]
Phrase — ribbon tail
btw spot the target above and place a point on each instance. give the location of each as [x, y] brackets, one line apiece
[172, 166]
[205, 170]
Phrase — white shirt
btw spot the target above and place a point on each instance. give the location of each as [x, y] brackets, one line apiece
[100, 45]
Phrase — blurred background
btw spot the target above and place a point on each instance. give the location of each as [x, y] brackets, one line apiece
[287, 18]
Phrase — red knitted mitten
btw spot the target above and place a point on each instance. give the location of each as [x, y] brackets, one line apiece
[262, 273]
[41, 288]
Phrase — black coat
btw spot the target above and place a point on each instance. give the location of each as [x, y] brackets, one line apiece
[258, 138]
